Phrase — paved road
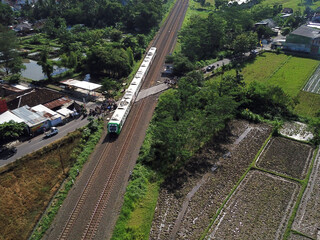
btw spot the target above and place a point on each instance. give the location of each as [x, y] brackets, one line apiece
[38, 142]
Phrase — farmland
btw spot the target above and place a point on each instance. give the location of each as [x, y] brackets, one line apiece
[288, 72]
[259, 209]
[287, 157]
[308, 215]
[28, 185]
[294, 4]
[190, 197]
[313, 85]
[265, 203]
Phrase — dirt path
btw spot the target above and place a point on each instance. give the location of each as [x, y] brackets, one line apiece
[191, 197]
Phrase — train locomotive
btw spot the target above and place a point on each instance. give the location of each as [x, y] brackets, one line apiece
[121, 113]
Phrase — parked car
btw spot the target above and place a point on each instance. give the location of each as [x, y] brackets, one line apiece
[51, 133]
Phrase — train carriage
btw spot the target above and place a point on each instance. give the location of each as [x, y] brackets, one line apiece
[120, 115]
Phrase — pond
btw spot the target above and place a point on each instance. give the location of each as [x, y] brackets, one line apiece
[34, 71]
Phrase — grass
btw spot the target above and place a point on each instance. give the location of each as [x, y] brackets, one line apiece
[142, 215]
[28, 184]
[293, 75]
[137, 211]
[309, 104]
[288, 72]
[294, 4]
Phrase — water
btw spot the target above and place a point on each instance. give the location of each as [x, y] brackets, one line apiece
[34, 71]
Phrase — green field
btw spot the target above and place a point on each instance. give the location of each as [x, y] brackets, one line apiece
[288, 72]
[142, 216]
[294, 4]
[309, 104]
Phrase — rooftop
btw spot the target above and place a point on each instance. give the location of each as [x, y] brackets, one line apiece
[33, 98]
[307, 31]
[8, 116]
[29, 117]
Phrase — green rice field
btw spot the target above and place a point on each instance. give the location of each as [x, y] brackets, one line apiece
[294, 4]
[288, 72]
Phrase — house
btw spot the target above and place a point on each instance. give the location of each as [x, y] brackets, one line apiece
[24, 27]
[266, 22]
[35, 122]
[32, 97]
[9, 116]
[53, 117]
[59, 103]
[287, 11]
[7, 90]
[3, 106]
[304, 39]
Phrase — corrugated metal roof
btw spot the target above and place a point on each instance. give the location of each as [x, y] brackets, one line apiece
[57, 103]
[306, 31]
[81, 84]
[7, 116]
[29, 117]
[65, 112]
[45, 112]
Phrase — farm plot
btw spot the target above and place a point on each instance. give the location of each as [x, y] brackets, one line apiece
[259, 209]
[294, 236]
[313, 85]
[308, 215]
[287, 157]
[189, 199]
[296, 130]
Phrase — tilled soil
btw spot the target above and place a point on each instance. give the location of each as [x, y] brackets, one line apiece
[297, 237]
[286, 156]
[307, 220]
[259, 209]
[190, 198]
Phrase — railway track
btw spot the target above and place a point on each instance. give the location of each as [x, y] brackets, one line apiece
[164, 43]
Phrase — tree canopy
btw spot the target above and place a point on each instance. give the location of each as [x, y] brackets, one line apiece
[9, 55]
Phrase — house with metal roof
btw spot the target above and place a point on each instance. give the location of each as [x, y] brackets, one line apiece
[8, 116]
[32, 97]
[34, 121]
[304, 39]
[54, 118]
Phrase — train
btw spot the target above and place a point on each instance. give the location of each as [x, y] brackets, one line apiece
[121, 113]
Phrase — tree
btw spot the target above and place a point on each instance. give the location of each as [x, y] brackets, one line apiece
[245, 42]
[269, 100]
[9, 55]
[11, 130]
[181, 65]
[6, 14]
[264, 32]
[220, 3]
[45, 63]
[109, 61]
[115, 35]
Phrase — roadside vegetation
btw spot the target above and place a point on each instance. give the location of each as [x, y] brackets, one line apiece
[28, 184]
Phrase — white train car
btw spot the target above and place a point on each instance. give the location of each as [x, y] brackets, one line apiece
[121, 113]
